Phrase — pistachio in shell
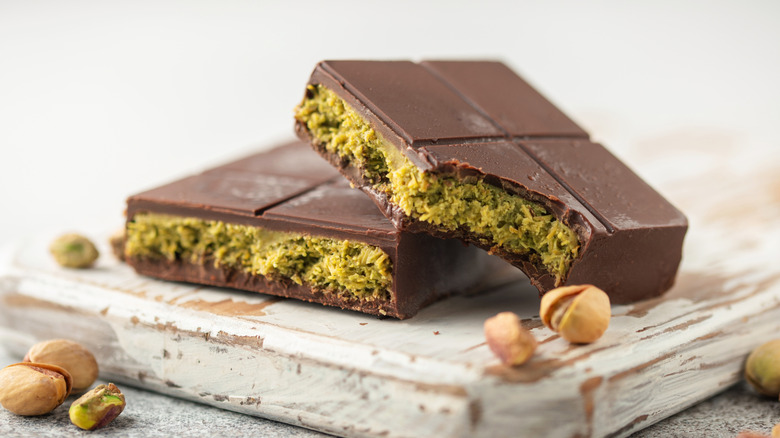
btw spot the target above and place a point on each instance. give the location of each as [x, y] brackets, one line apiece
[74, 357]
[29, 388]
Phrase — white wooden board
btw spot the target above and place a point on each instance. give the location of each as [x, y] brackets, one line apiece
[356, 375]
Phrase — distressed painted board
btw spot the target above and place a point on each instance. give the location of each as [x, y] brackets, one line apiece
[355, 375]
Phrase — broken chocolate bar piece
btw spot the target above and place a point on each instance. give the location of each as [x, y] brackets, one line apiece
[283, 222]
[468, 149]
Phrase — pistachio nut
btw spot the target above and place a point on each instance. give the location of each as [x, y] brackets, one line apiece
[508, 339]
[33, 388]
[762, 368]
[580, 313]
[74, 251]
[72, 356]
[97, 407]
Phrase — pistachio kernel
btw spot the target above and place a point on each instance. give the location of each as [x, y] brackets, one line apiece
[97, 407]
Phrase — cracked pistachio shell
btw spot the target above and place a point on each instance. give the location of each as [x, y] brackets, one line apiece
[33, 388]
[580, 313]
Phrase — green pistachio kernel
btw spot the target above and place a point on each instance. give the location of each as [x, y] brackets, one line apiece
[97, 407]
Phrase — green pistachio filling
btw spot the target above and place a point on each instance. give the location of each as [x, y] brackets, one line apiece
[346, 267]
[501, 220]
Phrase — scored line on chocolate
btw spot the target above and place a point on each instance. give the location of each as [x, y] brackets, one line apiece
[298, 195]
[514, 140]
[336, 77]
[475, 140]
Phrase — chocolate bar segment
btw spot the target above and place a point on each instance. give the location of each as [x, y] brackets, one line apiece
[468, 149]
[504, 97]
[283, 222]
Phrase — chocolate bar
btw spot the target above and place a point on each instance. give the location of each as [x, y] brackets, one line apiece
[284, 223]
[468, 149]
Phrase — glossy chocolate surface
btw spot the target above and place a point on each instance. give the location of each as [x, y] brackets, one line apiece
[480, 118]
[290, 188]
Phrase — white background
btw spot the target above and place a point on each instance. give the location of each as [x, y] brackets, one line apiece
[102, 99]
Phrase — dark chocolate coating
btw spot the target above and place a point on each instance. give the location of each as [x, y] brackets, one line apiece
[479, 118]
[291, 189]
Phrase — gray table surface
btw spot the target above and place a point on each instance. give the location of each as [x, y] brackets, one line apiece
[149, 414]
